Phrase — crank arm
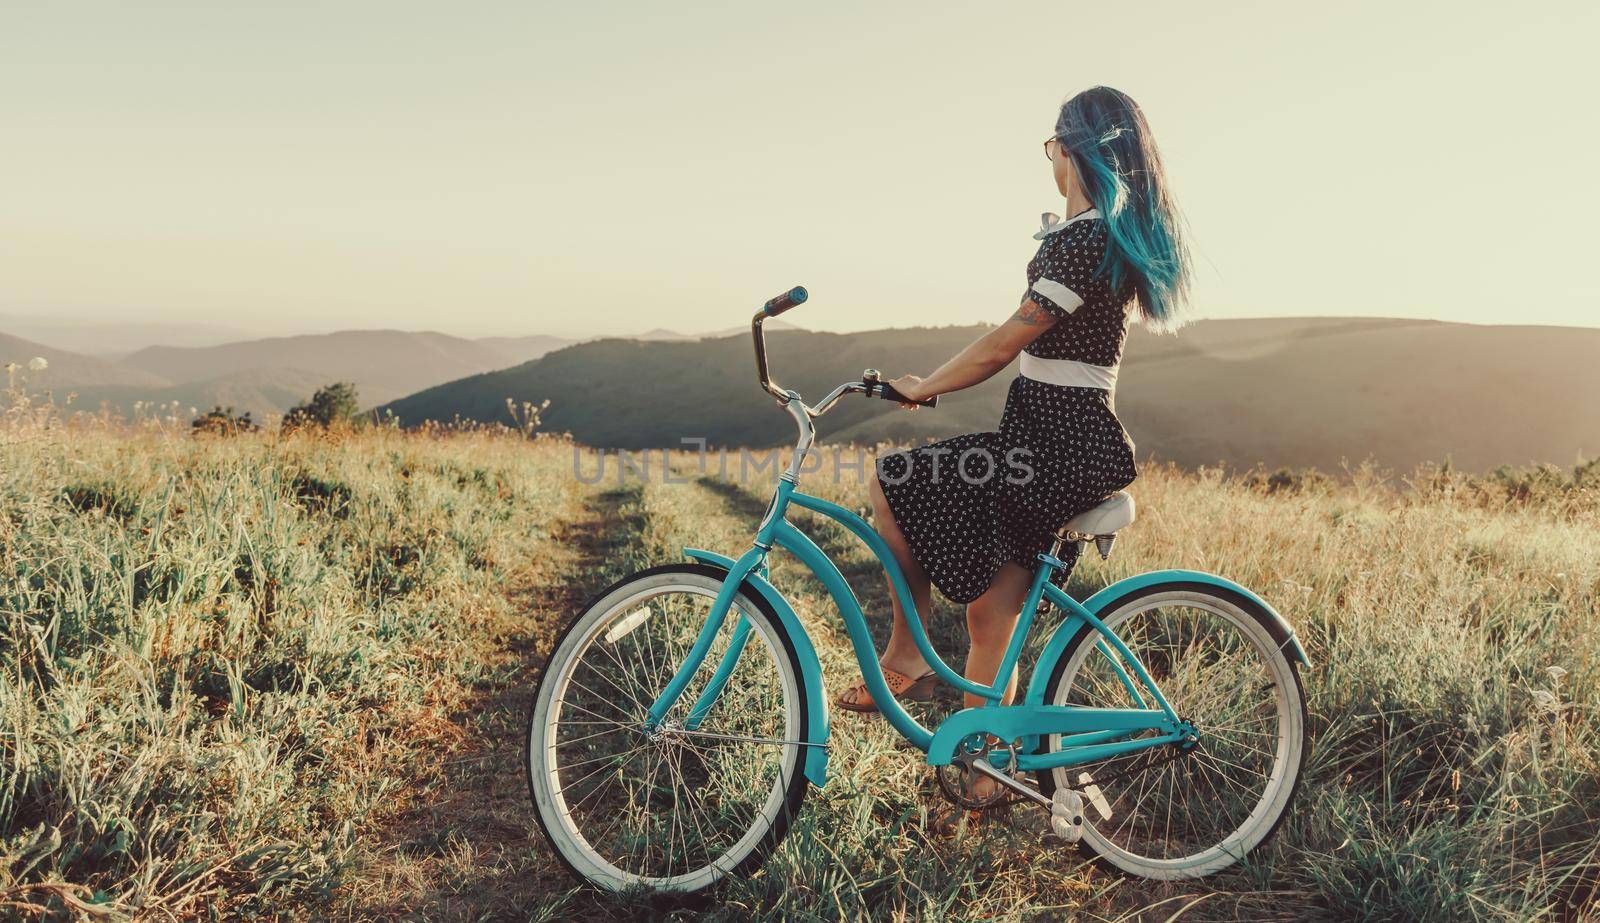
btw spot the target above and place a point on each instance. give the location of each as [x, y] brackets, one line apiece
[1066, 809]
[1026, 791]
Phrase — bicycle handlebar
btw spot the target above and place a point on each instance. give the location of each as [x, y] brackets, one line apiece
[792, 298]
[884, 389]
[870, 383]
[887, 392]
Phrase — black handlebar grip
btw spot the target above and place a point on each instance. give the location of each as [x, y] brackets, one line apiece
[888, 393]
[791, 298]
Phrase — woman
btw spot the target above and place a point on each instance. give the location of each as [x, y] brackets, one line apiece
[970, 514]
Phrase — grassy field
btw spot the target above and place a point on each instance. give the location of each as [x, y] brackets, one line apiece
[285, 677]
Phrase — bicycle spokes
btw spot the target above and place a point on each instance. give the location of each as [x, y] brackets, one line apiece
[1222, 677]
[666, 800]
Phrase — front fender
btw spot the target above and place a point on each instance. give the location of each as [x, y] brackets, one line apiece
[816, 767]
[1069, 628]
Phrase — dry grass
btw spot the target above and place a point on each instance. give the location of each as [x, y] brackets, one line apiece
[226, 660]
[281, 677]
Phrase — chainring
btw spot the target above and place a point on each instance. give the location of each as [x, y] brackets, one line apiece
[955, 778]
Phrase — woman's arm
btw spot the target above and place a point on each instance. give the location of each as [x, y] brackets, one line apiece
[982, 358]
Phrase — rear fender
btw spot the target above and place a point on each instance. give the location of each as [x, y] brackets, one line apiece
[1288, 642]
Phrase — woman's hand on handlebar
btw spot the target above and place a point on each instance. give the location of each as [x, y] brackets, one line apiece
[911, 386]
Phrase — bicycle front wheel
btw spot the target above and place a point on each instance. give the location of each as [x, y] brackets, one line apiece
[712, 789]
[1189, 809]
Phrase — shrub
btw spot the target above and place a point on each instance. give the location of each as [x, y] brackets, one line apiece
[333, 405]
[1539, 486]
[222, 421]
[1289, 480]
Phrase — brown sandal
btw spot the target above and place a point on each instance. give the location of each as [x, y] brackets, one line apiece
[906, 689]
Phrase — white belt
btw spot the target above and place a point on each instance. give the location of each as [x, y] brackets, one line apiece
[1069, 373]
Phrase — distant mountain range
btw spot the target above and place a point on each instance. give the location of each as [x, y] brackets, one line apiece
[1295, 392]
[268, 376]
[116, 339]
[113, 339]
[74, 370]
[384, 364]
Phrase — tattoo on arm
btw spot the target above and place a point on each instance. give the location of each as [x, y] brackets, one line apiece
[1034, 316]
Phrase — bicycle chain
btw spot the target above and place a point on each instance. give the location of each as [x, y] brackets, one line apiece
[1083, 788]
[952, 792]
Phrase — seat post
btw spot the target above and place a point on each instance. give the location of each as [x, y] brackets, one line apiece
[1067, 551]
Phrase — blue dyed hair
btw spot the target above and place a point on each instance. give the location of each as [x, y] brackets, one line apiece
[1115, 155]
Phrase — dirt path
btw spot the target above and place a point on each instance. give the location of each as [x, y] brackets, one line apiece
[469, 848]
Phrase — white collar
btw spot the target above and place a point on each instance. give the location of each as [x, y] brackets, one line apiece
[1049, 222]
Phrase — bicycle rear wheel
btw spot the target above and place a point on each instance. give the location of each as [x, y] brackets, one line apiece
[1174, 812]
[679, 807]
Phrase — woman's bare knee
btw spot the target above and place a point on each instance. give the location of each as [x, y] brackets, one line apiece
[988, 622]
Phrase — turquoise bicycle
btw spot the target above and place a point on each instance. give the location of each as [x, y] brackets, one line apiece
[681, 716]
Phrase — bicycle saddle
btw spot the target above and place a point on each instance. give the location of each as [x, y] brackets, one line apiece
[1105, 518]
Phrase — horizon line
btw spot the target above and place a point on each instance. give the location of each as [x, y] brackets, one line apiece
[662, 332]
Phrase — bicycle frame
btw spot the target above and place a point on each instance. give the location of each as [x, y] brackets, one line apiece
[1088, 734]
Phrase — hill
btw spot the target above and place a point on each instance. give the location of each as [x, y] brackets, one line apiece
[112, 339]
[70, 370]
[379, 360]
[659, 334]
[260, 391]
[515, 350]
[1275, 392]
[268, 376]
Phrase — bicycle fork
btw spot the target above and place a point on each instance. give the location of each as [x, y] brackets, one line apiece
[748, 562]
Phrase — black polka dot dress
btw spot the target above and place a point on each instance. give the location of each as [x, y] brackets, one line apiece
[970, 503]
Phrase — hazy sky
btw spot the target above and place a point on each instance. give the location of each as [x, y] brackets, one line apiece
[531, 167]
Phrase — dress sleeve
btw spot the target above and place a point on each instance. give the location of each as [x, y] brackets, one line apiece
[1067, 266]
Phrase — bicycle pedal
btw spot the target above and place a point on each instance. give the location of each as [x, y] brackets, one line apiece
[1066, 815]
[1096, 797]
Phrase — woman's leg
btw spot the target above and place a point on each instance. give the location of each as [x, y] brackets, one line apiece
[901, 654]
[990, 620]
